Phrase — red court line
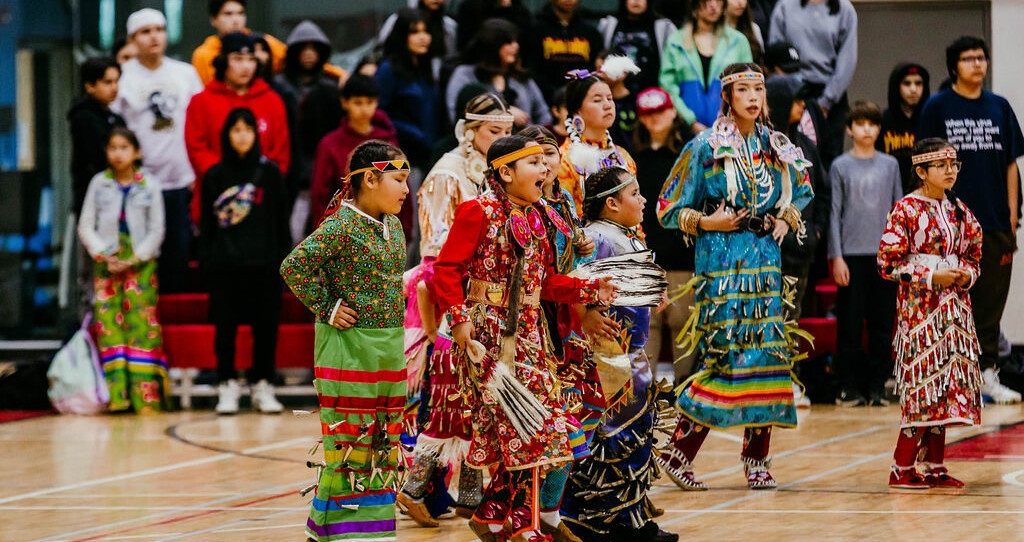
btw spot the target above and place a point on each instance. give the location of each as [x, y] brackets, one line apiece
[183, 518]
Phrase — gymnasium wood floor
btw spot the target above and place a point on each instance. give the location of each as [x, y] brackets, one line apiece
[193, 476]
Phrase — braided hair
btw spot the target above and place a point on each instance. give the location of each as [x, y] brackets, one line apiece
[600, 181]
[928, 145]
[764, 119]
[498, 149]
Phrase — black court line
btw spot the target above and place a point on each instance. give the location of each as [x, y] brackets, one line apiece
[172, 432]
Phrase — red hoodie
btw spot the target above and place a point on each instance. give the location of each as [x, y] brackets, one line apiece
[205, 119]
[332, 159]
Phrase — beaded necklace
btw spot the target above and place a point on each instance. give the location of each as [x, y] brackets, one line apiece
[756, 172]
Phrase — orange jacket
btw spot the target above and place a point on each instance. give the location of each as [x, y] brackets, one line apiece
[202, 58]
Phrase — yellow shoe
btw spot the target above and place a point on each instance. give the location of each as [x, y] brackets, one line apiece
[416, 510]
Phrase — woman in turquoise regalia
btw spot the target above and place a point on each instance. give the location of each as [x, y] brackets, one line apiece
[737, 189]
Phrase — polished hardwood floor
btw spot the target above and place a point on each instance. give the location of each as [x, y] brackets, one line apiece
[193, 476]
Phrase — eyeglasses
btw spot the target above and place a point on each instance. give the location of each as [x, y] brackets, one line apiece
[955, 166]
[974, 59]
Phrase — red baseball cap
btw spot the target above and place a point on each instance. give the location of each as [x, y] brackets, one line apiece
[652, 100]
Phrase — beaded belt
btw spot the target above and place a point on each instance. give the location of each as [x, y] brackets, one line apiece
[752, 223]
[496, 295]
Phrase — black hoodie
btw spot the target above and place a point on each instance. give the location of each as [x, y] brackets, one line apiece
[555, 49]
[91, 123]
[815, 214]
[897, 135]
[261, 239]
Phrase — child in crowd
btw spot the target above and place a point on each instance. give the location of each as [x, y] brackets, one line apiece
[623, 446]
[122, 226]
[865, 186]
[932, 248]
[243, 235]
[559, 113]
[909, 89]
[349, 273]
[363, 121]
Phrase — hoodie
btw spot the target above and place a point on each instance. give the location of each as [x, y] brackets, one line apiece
[780, 97]
[332, 159]
[91, 123]
[205, 118]
[317, 105]
[555, 49]
[897, 135]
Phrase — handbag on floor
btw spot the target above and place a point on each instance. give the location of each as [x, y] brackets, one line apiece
[76, 379]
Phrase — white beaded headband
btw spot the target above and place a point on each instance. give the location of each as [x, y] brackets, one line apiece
[490, 118]
[933, 156]
[742, 76]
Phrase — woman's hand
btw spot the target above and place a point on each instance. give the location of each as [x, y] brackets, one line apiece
[948, 277]
[463, 333]
[840, 271]
[665, 302]
[965, 277]
[596, 323]
[585, 247]
[780, 230]
[606, 291]
[345, 317]
[723, 220]
[115, 265]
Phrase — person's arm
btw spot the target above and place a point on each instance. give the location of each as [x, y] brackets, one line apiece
[1012, 194]
[896, 178]
[777, 24]
[846, 58]
[540, 113]
[207, 220]
[147, 248]
[669, 75]
[437, 202]
[835, 226]
[300, 269]
[197, 137]
[467, 232]
[461, 76]
[278, 143]
[894, 248]
[683, 191]
[87, 223]
[970, 260]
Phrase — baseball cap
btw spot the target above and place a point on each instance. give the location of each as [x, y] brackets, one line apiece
[652, 100]
[783, 55]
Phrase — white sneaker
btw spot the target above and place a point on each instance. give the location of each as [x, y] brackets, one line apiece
[799, 397]
[994, 392]
[227, 397]
[263, 398]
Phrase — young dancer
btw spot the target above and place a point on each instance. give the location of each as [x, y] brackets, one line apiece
[457, 177]
[243, 235]
[606, 497]
[349, 273]
[500, 240]
[122, 226]
[589, 146]
[737, 188]
[932, 248]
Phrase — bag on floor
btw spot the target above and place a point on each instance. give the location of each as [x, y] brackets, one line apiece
[76, 379]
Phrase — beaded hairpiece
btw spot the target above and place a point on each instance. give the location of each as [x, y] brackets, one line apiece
[942, 154]
[516, 155]
[384, 166]
[742, 76]
[490, 118]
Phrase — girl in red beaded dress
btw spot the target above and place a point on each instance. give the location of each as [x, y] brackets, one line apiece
[932, 247]
[500, 241]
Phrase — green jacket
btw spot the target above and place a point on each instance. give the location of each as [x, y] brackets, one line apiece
[682, 74]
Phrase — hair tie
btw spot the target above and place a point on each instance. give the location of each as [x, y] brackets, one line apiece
[579, 74]
[629, 180]
[515, 155]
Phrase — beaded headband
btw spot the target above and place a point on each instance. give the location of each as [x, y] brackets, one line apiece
[384, 166]
[629, 180]
[490, 118]
[515, 155]
[742, 76]
[933, 156]
[544, 140]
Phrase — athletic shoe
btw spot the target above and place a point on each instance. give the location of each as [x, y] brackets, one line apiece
[227, 397]
[907, 479]
[849, 399]
[939, 477]
[994, 392]
[416, 510]
[683, 475]
[799, 397]
[263, 398]
[878, 399]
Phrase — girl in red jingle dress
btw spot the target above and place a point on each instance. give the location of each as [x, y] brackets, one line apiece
[500, 240]
[932, 247]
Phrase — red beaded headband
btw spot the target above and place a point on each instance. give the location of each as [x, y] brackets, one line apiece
[943, 154]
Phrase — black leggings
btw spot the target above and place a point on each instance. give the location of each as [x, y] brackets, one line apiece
[250, 296]
[868, 302]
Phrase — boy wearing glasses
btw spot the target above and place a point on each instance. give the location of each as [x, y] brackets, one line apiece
[865, 186]
[984, 129]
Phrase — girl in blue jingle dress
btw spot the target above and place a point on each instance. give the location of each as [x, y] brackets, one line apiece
[737, 188]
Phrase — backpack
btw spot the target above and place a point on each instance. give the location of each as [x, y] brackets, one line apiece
[76, 379]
